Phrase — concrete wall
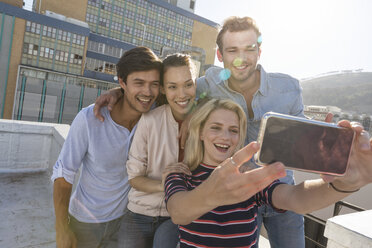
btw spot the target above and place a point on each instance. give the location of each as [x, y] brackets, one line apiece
[204, 36]
[30, 146]
[185, 4]
[6, 51]
[15, 60]
[351, 230]
[18, 3]
[70, 8]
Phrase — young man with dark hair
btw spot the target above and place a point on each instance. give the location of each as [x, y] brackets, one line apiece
[91, 217]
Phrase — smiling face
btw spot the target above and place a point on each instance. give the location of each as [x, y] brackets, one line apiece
[240, 54]
[220, 136]
[179, 89]
[141, 89]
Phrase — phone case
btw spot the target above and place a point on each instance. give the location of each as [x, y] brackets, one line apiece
[337, 171]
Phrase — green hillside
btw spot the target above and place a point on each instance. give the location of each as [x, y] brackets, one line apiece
[348, 91]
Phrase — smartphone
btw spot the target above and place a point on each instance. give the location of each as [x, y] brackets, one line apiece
[304, 144]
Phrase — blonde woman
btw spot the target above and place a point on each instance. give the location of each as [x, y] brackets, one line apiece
[217, 205]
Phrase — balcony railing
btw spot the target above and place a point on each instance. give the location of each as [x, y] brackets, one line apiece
[314, 226]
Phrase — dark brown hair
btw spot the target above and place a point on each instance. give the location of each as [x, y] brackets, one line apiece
[177, 60]
[137, 59]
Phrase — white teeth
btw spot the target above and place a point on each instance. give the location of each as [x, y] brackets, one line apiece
[144, 99]
[240, 67]
[183, 103]
[222, 146]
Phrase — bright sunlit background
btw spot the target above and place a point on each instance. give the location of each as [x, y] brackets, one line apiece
[301, 37]
[305, 38]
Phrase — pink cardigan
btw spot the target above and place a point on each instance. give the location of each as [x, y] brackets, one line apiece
[155, 145]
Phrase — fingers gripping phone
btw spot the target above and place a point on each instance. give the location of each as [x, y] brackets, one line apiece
[304, 144]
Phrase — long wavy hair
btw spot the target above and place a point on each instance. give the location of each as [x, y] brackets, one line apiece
[194, 148]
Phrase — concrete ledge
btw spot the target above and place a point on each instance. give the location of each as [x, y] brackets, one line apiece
[28, 150]
[350, 230]
[30, 146]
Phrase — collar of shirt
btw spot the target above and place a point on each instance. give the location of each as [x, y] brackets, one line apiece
[263, 90]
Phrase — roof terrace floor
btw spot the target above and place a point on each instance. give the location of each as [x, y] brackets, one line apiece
[26, 210]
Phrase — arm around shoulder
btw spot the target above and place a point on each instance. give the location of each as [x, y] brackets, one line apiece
[108, 99]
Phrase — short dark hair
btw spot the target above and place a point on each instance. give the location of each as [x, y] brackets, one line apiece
[237, 24]
[137, 59]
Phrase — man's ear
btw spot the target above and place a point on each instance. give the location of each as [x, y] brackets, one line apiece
[219, 55]
[122, 84]
[259, 53]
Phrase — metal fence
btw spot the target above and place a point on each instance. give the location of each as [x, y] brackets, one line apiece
[48, 96]
[314, 226]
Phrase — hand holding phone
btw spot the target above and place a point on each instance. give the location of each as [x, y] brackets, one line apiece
[304, 144]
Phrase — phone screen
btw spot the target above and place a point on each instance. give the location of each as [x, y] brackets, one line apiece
[306, 146]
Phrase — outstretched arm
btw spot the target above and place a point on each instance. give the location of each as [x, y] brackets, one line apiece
[226, 185]
[312, 195]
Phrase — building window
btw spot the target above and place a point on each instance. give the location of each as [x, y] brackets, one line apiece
[42, 51]
[192, 4]
[35, 49]
[25, 47]
[28, 26]
[51, 53]
[38, 26]
[33, 27]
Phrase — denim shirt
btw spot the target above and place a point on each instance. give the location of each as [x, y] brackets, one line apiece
[278, 92]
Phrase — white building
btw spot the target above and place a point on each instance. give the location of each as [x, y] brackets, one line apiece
[188, 5]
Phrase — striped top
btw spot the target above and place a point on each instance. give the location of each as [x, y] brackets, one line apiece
[225, 226]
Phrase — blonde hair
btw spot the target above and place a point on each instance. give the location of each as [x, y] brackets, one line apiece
[194, 148]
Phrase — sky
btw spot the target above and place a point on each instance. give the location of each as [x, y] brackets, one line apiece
[300, 37]
[304, 38]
